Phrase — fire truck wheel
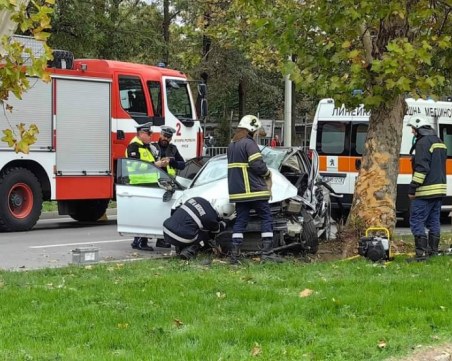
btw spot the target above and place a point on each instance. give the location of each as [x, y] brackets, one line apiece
[309, 237]
[89, 210]
[20, 200]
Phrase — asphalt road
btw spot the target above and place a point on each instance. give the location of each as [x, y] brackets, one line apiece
[52, 241]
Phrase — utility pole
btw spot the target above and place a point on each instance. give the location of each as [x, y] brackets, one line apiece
[288, 110]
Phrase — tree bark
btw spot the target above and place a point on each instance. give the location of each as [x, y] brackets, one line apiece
[376, 186]
[166, 31]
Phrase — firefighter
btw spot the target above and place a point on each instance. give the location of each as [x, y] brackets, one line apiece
[169, 153]
[427, 188]
[247, 175]
[140, 148]
[194, 224]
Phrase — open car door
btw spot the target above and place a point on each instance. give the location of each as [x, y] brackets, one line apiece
[144, 196]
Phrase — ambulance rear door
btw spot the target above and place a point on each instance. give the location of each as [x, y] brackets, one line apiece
[339, 135]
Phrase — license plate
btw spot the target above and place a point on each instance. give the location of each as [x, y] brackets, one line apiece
[334, 180]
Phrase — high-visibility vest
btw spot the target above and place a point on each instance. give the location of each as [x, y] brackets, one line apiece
[135, 169]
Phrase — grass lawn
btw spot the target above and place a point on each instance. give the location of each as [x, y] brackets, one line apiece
[173, 310]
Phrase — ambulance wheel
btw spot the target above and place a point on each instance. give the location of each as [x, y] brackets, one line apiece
[309, 238]
[20, 200]
[89, 210]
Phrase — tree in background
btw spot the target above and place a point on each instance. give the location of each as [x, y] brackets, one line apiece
[388, 50]
[127, 30]
[18, 61]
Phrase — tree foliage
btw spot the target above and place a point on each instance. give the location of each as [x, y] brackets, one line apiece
[17, 61]
[382, 48]
[385, 49]
[128, 30]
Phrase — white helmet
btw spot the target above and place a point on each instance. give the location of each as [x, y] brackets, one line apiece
[224, 209]
[418, 121]
[250, 122]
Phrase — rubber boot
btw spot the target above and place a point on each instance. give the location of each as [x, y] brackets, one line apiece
[421, 245]
[433, 244]
[161, 243]
[189, 252]
[235, 253]
[141, 243]
[267, 252]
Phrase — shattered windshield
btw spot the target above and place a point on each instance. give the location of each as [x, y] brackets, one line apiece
[178, 99]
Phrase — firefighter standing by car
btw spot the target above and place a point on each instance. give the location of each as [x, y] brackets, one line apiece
[194, 224]
[427, 187]
[140, 148]
[247, 174]
[170, 154]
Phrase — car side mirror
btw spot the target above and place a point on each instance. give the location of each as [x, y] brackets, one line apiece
[169, 187]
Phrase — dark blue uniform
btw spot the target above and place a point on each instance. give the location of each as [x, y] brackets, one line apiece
[195, 221]
[247, 187]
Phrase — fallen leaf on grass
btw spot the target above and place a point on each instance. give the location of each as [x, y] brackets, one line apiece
[256, 350]
[306, 293]
[381, 344]
[178, 323]
[123, 326]
[221, 295]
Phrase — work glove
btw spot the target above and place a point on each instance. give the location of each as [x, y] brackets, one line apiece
[222, 226]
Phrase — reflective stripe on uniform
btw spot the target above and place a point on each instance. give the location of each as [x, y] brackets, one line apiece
[437, 146]
[177, 238]
[419, 177]
[192, 215]
[431, 190]
[254, 157]
[250, 195]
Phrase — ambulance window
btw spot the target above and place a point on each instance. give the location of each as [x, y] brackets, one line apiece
[132, 94]
[332, 138]
[155, 90]
[360, 138]
[446, 136]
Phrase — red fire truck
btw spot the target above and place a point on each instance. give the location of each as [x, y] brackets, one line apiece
[86, 116]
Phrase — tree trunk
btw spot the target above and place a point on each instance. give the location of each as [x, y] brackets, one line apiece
[242, 102]
[376, 185]
[166, 31]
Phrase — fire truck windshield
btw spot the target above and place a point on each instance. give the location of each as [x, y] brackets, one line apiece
[179, 101]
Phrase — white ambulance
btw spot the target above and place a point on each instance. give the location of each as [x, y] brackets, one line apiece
[338, 135]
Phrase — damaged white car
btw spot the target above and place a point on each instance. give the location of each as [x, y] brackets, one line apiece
[300, 203]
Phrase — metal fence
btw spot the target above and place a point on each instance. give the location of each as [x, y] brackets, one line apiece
[212, 151]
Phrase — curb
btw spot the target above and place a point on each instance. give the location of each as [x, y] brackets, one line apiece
[54, 214]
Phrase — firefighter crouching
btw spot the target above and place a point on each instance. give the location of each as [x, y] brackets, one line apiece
[140, 148]
[194, 224]
[247, 174]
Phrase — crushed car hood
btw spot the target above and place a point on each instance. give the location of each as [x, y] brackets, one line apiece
[281, 189]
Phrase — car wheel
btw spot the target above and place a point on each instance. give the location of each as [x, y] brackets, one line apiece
[309, 238]
[326, 226]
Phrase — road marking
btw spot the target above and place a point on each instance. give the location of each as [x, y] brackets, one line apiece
[82, 243]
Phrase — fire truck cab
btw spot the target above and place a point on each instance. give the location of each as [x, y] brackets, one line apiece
[86, 116]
